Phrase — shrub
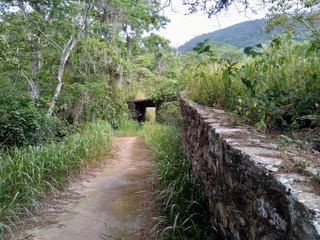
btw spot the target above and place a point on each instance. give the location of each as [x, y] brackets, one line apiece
[169, 113]
[24, 122]
[277, 87]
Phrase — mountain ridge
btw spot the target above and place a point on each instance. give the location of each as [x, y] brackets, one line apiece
[241, 35]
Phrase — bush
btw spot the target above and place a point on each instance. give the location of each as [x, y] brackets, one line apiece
[128, 128]
[277, 87]
[168, 90]
[24, 122]
[169, 113]
[280, 86]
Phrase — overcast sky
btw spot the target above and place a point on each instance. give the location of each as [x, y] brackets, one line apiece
[184, 27]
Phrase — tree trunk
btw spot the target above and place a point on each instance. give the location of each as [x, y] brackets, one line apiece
[129, 47]
[34, 92]
[118, 79]
[68, 48]
[34, 89]
[78, 106]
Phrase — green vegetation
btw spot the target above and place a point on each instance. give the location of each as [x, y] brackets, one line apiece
[24, 122]
[68, 67]
[183, 205]
[276, 88]
[128, 128]
[169, 113]
[26, 174]
[65, 63]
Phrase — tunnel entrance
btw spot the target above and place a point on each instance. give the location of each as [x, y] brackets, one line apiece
[139, 107]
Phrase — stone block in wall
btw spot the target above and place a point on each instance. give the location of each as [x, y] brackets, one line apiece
[250, 198]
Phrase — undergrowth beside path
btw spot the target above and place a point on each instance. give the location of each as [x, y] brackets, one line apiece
[276, 88]
[26, 174]
[183, 207]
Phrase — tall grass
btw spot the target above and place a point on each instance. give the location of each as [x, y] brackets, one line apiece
[128, 128]
[204, 84]
[276, 88]
[28, 173]
[183, 206]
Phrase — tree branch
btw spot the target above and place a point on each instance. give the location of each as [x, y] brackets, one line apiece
[66, 51]
[311, 28]
[49, 39]
[165, 5]
[58, 34]
[32, 85]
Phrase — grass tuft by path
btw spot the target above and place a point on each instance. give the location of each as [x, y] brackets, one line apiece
[183, 207]
[26, 174]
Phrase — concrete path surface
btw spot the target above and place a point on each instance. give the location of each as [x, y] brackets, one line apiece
[108, 202]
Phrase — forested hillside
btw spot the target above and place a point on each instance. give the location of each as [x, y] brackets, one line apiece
[241, 35]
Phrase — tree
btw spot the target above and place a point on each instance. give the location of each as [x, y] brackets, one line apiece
[65, 53]
[280, 12]
[213, 7]
[137, 17]
[43, 21]
[289, 13]
[71, 54]
[158, 46]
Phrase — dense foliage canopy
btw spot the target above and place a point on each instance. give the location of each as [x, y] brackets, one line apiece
[75, 61]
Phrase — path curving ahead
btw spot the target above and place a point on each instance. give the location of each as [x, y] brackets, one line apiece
[109, 202]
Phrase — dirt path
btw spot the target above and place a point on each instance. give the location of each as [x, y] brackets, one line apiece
[108, 202]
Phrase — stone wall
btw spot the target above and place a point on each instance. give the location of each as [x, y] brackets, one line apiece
[250, 197]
